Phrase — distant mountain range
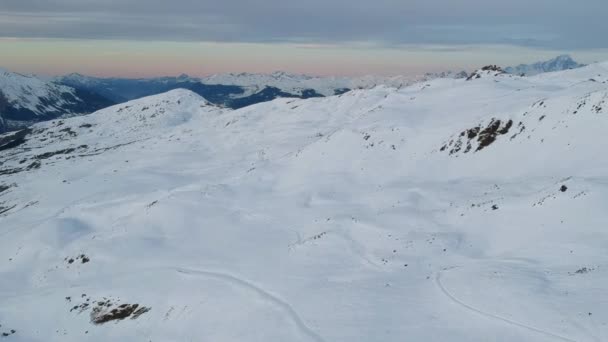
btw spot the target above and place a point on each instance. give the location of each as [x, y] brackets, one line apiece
[26, 99]
[559, 63]
[449, 210]
[235, 90]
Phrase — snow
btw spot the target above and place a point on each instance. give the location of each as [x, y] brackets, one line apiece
[76, 78]
[328, 219]
[294, 84]
[559, 63]
[32, 93]
[326, 86]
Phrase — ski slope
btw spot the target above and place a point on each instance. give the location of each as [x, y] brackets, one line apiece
[449, 210]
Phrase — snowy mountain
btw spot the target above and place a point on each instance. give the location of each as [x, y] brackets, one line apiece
[449, 210]
[286, 82]
[27, 99]
[242, 89]
[559, 63]
[229, 95]
[491, 71]
[325, 86]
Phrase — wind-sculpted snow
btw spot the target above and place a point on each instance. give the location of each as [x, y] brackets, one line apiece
[449, 210]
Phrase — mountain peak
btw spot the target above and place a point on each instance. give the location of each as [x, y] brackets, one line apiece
[183, 76]
[488, 70]
[561, 62]
[181, 93]
[159, 213]
[30, 99]
[564, 58]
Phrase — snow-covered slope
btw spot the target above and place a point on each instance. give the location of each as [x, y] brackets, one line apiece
[26, 99]
[559, 63]
[450, 210]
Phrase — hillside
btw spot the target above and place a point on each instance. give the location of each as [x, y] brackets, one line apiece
[449, 210]
[27, 99]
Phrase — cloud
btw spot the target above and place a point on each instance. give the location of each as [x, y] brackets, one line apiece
[539, 23]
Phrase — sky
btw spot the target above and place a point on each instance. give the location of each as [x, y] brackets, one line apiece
[139, 38]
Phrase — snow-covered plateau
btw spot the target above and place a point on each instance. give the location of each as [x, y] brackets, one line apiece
[448, 210]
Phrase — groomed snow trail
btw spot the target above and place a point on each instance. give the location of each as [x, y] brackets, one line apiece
[494, 316]
[305, 329]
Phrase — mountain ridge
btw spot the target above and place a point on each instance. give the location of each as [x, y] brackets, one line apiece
[479, 206]
[27, 99]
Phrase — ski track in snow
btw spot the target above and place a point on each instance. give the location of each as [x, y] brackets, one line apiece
[277, 302]
[312, 163]
[488, 315]
[285, 306]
